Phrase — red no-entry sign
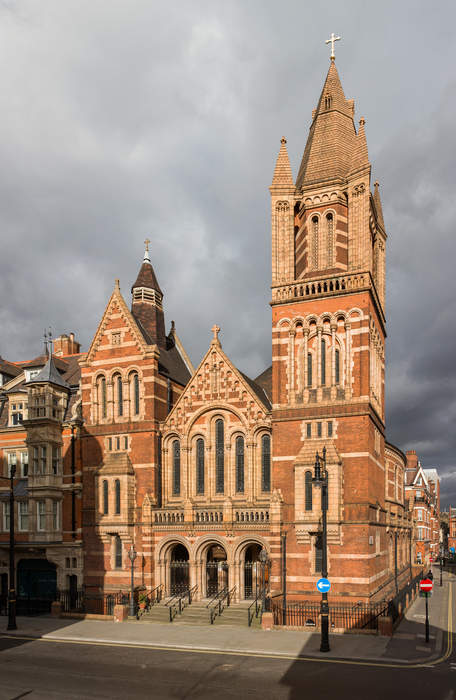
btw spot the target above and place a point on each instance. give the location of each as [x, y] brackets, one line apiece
[426, 585]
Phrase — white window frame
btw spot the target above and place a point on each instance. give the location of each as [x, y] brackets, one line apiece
[23, 516]
[55, 515]
[6, 516]
[12, 459]
[40, 514]
[24, 462]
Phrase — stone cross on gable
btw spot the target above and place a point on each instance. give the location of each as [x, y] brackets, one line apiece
[216, 330]
[331, 41]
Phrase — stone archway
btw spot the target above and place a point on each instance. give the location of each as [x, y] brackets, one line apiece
[179, 570]
[252, 571]
[216, 578]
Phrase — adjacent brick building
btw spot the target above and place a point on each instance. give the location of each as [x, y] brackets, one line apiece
[422, 493]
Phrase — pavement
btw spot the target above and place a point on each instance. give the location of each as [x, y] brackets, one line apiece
[407, 647]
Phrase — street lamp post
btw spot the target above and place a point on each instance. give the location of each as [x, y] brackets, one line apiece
[12, 573]
[320, 480]
[132, 556]
[441, 566]
[263, 557]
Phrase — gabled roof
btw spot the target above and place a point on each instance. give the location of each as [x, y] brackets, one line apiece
[264, 380]
[50, 374]
[332, 138]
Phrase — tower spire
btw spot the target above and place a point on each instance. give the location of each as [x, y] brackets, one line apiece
[147, 302]
[282, 173]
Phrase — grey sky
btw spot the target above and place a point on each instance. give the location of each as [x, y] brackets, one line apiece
[121, 120]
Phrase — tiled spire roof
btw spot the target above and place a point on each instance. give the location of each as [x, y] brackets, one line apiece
[51, 374]
[378, 205]
[146, 276]
[332, 138]
[282, 172]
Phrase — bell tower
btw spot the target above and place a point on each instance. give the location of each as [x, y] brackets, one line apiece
[328, 336]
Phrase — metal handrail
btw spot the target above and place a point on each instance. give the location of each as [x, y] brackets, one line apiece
[218, 609]
[217, 595]
[258, 603]
[183, 599]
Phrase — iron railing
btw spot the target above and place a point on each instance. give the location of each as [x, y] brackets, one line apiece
[179, 602]
[222, 602]
[256, 607]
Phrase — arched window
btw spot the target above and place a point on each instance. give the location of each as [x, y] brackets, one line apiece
[176, 468]
[219, 456]
[309, 369]
[134, 393]
[323, 361]
[117, 496]
[119, 393]
[105, 498]
[308, 491]
[337, 367]
[266, 463]
[315, 222]
[200, 465]
[330, 239]
[240, 464]
[101, 391]
[117, 552]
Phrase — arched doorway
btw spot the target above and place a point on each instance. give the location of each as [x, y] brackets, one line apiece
[179, 570]
[36, 586]
[252, 571]
[216, 570]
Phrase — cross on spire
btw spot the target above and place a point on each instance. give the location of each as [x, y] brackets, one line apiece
[331, 41]
[146, 252]
[215, 330]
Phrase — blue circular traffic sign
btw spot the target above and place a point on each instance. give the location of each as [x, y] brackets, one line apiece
[323, 585]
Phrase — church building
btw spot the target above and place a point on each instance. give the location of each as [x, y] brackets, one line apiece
[199, 469]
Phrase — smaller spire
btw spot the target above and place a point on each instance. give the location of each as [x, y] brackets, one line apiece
[117, 285]
[282, 173]
[146, 252]
[360, 156]
[378, 205]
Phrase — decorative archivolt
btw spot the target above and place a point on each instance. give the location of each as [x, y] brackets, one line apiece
[320, 198]
[359, 190]
[354, 314]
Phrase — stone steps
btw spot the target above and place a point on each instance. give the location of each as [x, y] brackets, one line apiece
[198, 614]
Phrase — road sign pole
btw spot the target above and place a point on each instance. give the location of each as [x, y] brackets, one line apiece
[427, 618]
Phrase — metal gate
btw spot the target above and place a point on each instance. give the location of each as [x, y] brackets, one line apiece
[252, 578]
[179, 577]
[216, 577]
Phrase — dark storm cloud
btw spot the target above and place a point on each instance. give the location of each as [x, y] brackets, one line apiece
[121, 120]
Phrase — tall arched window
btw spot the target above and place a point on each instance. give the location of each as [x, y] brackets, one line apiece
[119, 393]
[219, 456]
[101, 395]
[105, 498]
[134, 393]
[117, 552]
[176, 468]
[200, 465]
[337, 367]
[308, 490]
[309, 369]
[266, 463]
[117, 496]
[315, 222]
[330, 239]
[323, 361]
[240, 464]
